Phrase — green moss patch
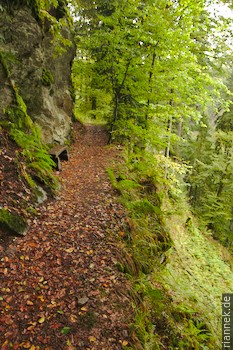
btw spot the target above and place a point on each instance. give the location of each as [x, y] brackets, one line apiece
[13, 222]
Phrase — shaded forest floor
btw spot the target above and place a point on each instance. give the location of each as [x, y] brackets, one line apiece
[59, 285]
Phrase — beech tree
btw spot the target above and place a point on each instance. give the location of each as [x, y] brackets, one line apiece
[155, 69]
[145, 56]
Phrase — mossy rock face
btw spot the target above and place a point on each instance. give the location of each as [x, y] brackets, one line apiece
[13, 222]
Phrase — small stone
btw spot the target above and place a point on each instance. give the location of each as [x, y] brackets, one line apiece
[83, 301]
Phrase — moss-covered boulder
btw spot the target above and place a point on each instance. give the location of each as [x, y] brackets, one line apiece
[13, 222]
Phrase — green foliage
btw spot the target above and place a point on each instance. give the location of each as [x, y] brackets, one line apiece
[92, 105]
[136, 183]
[39, 163]
[28, 136]
[197, 275]
[143, 207]
[197, 332]
[126, 185]
[150, 66]
[225, 122]
[210, 182]
[47, 77]
[122, 184]
[17, 115]
[159, 322]
[66, 330]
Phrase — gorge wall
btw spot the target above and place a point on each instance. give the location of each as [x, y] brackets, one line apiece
[29, 60]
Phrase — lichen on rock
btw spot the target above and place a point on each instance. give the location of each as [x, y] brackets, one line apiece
[43, 79]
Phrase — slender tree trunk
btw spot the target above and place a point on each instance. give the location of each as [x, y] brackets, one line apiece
[117, 91]
[114, 117]
[179, 131]
[169, 129]
[93, 105]
[149, 83]
[167, 150]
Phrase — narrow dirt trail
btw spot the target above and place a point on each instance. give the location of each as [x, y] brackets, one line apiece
[59, 285]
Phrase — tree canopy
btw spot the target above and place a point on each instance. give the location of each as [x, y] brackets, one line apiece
[157, 72]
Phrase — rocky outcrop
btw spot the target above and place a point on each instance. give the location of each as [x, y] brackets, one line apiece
[41, 75]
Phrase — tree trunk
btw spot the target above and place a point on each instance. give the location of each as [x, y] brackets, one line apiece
[169, 129]
[114, 117]
[93, 105]
[149, 83]
[179, 131]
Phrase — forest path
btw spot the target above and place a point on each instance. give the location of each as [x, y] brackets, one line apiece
[59, 285]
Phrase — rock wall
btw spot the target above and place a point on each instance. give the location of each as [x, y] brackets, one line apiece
[43, 79]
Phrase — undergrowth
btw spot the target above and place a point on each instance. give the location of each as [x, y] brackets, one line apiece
[28, 136]
[177, 306]
[197, 273]
[38, 164]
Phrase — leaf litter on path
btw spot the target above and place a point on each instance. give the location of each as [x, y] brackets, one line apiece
[59, 285]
